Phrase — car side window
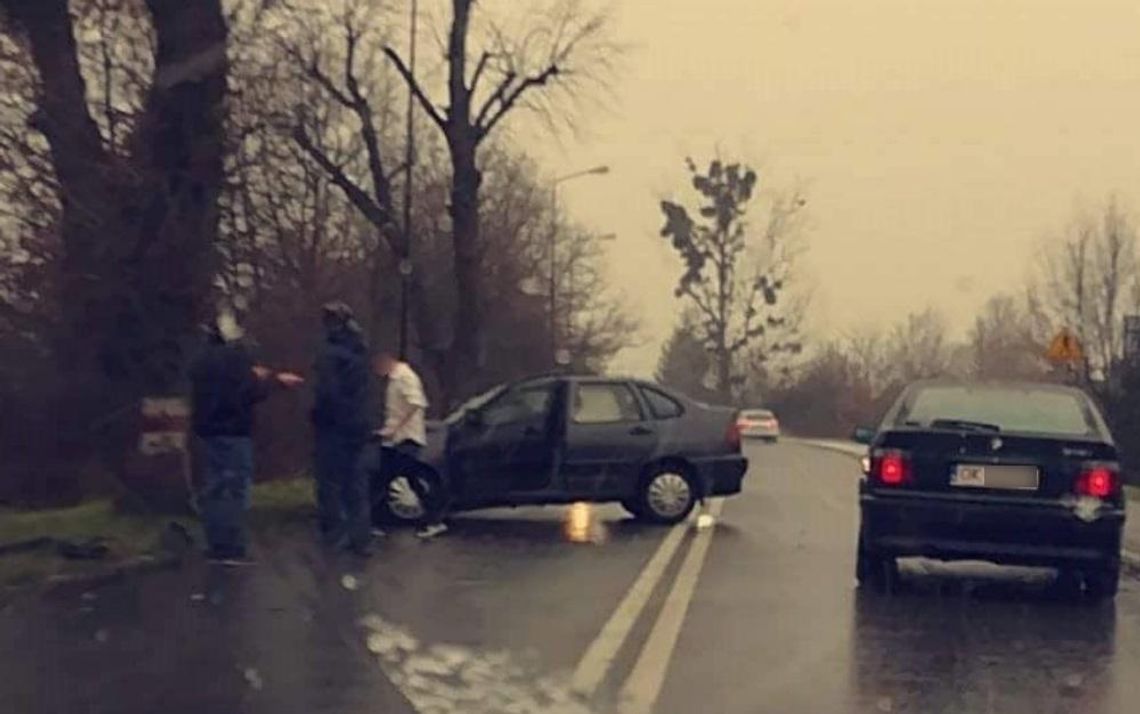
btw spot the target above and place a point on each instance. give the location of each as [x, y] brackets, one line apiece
[518, 405]
[661, 404]
[605, 404]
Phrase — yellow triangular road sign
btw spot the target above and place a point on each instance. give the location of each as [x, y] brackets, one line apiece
[1065, 348]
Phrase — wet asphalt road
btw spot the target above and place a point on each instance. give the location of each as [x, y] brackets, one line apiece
[496, 615]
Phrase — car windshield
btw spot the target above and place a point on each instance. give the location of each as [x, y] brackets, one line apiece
[473, 404]
[1015, 409]
[758, 414]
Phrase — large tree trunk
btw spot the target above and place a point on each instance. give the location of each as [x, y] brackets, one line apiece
[467, 348]
[463, 139]
[724, 374]
[137, 231]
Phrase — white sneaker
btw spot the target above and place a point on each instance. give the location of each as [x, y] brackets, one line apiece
[377, 533]
[431, 531]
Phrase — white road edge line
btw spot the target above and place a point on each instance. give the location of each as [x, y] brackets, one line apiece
[1129, 558]
[599, 656]
[641, 689]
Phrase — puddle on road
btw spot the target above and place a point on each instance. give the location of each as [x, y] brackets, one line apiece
[583, 526]
[452, 679]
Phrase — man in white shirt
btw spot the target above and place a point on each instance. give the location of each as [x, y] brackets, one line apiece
[405, 431]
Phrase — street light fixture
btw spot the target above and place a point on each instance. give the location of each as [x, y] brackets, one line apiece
[405, 263]
[596, 171]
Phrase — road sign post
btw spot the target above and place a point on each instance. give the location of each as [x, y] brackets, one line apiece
[157, 474]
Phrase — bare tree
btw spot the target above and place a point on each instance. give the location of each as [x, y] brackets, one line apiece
[1003, 342]
[137, 212]
[565, 49]
[919, 347]
[733, 277]
[685, 364]
[1086, 282]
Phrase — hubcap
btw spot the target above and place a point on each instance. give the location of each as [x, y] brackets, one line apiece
[403, 501]
[669, 494]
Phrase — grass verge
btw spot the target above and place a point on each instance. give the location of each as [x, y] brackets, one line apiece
[129, 537]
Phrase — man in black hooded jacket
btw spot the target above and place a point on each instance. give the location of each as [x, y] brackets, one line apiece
[226, 385]
[341, 419]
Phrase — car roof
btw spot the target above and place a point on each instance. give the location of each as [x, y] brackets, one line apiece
[1024, 385]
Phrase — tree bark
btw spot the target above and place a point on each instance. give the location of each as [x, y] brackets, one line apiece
[137, 230]
[463, 138]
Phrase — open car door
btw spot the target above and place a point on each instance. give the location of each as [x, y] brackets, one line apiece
[509, 444]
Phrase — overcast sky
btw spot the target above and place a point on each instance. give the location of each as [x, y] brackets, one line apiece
[941, 140]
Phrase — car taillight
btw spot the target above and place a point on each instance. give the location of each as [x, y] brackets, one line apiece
[1098, 481]
[891, 468]
[733, 437]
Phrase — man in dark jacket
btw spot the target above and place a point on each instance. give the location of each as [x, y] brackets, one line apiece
[225, 387]
[342, 423]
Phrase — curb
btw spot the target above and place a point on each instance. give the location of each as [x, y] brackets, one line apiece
[1128, 558]
[133, 566]
[116, 571]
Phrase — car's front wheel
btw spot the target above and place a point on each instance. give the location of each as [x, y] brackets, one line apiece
[667, 496]
[396, 502]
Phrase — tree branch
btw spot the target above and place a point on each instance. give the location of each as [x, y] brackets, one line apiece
[508, 98]
[312, 68]
[375, 214]
[479, 69]
[414, 85]
[363, 111]
[62, 115]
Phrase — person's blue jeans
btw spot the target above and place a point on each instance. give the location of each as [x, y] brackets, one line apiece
[225, 493]
[342, 489]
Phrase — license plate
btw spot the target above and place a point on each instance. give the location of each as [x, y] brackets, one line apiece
[996, 476]
[969, 476]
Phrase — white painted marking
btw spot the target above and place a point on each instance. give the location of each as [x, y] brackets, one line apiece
[640, 691]
[599, 656]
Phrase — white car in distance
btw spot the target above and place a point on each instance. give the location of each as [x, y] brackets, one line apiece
[759, 424]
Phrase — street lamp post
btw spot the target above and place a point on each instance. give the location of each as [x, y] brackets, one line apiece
[596, 171]
[405, 266]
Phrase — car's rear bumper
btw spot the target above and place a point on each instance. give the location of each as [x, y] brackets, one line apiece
[1011, 532]
[759, 433]
[722, 475]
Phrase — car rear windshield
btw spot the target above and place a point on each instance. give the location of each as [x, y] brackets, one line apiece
[1016, 409]
[758, 414]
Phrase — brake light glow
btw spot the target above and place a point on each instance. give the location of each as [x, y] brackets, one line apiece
[733, 437]
[1098, 482]
[891, 468]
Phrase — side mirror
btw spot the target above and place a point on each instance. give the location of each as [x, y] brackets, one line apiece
[863, 435]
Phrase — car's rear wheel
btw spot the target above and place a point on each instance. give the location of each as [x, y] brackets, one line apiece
[668, 495]
[1104, 582]
[875, 569]
[396, 503]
